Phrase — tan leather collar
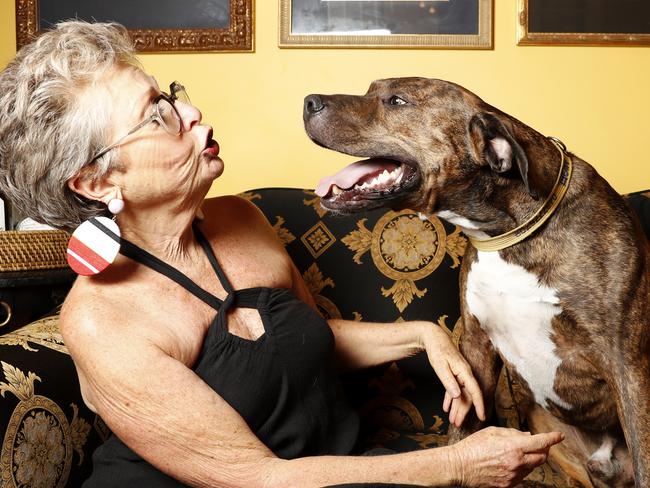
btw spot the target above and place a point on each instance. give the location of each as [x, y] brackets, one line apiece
[540, 216]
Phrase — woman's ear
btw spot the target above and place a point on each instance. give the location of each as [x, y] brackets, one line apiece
[494, 145]
[84, 184]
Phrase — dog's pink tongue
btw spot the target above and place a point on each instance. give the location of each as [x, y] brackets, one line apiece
[349, 175]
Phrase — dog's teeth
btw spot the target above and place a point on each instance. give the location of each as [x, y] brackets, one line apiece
[336, 190]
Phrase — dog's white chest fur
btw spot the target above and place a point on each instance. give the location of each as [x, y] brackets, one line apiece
[516, 312]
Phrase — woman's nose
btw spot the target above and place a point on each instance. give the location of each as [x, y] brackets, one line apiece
[190, 115]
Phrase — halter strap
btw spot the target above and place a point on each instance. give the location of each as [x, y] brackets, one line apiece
[207, 248]
[141, 256]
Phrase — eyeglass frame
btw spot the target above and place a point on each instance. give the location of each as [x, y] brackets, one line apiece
[174, 89]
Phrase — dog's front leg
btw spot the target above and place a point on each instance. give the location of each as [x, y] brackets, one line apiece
[632, 384]
[476, 347]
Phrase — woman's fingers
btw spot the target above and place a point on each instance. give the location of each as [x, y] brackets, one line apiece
[459, 409]
[470, 384]
[534, 459]
[448, 379]
[456, 376]
[454, 410]
[446, 404]
[459, 380]
[462, 410]
[497, 456]
[542, 442]
[460, 405]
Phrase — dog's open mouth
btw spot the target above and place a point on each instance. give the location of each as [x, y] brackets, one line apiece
[367, 184]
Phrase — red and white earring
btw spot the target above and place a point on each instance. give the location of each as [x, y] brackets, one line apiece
[95, 244]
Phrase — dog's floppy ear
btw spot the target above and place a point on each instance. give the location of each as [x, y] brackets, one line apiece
[495, 146]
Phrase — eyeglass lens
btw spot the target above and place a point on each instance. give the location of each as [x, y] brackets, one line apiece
[168, 112]
[178, 92]
[169, 116]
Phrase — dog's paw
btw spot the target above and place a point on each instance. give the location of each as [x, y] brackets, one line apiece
[603, 468]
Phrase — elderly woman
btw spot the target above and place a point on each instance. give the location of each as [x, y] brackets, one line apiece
[200, 345]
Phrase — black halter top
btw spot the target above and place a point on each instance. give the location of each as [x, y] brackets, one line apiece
[283, 383]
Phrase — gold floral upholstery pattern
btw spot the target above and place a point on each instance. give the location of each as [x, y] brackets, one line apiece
[405, 247]
[44, 332]
[44, 435]
[382, 266]
[39, 436]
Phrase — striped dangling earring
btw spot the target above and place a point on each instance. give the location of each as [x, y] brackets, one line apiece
[95, 244]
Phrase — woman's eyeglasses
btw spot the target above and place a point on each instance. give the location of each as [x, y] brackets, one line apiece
[164, 112]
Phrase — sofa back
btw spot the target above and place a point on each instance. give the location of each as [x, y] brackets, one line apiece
[381, 266]
[387, 266]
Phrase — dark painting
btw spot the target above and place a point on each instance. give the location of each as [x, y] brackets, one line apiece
[385, 17]
[140, 14]
[589, 16]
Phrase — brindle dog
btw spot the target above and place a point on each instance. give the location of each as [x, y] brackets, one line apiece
[567, 309]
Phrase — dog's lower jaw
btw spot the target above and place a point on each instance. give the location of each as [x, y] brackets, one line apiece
[354, 200]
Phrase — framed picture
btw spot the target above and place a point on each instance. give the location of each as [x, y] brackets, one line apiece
[440, 24]
[588, 22]
[154, 25]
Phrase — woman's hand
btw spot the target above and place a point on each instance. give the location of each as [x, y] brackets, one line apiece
[462, 389]
[498, 457]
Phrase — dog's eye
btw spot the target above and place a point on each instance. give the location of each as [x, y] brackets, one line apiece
[395, 100]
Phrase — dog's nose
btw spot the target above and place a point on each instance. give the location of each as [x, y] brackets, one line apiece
[313, 105]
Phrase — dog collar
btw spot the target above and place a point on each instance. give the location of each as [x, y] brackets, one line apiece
[520, 233]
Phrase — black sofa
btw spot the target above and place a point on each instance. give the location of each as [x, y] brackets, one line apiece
[378, 266]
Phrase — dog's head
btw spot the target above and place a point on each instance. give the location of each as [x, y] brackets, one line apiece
[427, 142]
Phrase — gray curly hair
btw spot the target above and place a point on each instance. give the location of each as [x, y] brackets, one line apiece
[48, 129]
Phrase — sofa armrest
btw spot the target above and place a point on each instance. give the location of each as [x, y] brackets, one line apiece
[49, 434]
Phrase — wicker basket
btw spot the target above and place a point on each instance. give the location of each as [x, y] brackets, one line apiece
[33, 249]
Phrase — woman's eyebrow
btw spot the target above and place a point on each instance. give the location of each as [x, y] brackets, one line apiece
[148, 96]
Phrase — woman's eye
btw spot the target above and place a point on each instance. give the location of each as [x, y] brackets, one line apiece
[395, 100]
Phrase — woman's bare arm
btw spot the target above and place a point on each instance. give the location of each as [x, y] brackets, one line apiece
[366, 344]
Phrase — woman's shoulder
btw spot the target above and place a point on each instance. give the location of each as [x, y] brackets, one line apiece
[230, 207]
[233, 214]
[85, 300]
[91, 307]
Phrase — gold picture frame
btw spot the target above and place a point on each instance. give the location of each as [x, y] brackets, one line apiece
[528, 35]
[238, 36]
[482, 19]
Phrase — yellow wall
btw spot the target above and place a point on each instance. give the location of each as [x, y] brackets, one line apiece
[594, 98]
